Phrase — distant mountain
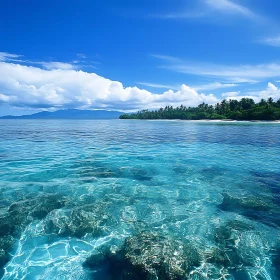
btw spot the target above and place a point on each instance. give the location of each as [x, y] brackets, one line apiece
[73, 114]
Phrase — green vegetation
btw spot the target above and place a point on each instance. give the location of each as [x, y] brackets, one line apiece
[245, 109]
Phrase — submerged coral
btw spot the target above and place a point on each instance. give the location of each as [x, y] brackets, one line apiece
[149, 255]
[21, 213]
[88, 219]
[256, 208]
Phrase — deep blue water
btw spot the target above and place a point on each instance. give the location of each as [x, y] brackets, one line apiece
[71, 188]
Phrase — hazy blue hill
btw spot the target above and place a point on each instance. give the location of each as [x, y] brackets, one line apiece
[70, 114]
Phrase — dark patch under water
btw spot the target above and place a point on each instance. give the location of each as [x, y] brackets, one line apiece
[256, 208]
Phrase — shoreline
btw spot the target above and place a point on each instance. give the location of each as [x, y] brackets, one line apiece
[154, 120]
[207, 120]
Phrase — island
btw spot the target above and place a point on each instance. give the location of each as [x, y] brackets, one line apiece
[72, 114]
[245, 109]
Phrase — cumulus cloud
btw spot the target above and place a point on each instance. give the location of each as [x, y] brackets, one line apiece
[33, 87]
[270, 91]
[61, 85]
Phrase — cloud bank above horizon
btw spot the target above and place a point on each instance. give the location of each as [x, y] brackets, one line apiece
[33, 87]
[60, 87]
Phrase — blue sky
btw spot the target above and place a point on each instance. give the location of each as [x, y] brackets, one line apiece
[130, 55]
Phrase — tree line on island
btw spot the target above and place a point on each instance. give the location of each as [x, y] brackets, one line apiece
[245, 109]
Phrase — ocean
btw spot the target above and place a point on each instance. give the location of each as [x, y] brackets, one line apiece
[130, 199]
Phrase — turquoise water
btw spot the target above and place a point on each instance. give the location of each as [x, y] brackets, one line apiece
[69, 189]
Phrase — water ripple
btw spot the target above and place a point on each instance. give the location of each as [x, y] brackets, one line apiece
[75, 190]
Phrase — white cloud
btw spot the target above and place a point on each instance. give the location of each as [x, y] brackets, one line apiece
[213, 86]
[207, 87]
[33, 87]
[271, 91]
[15, 58]
[154, 85]
[4, 56]
[167, 58]
[231, 94]
[206, 8]
[57, 65]
[60, 85]
[80, 55]
[233, 74]
[272, 41]
[5, 98]
[230, 7]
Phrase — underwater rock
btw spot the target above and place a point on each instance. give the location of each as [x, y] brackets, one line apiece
[155, 256]
[149, 256]
[219, 257]
[271, 180]
[231, 203]
[89, 219]
[20, 214]
[38, 207]
[4, 203]
[252, 248]
[99, 172]
[226, 236]
[5, 243]
[106, 255]
[238, 225]
[228, 233]
[256, 208]
[239, 246]
[3, 257]
[88, 169]
[212, 172]
[6, 225]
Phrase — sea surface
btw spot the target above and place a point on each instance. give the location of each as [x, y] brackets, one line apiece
[70, 190]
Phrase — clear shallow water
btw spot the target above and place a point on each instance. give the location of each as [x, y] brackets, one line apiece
[71, 188]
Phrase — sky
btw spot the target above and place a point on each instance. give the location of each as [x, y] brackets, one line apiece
[131, 55]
